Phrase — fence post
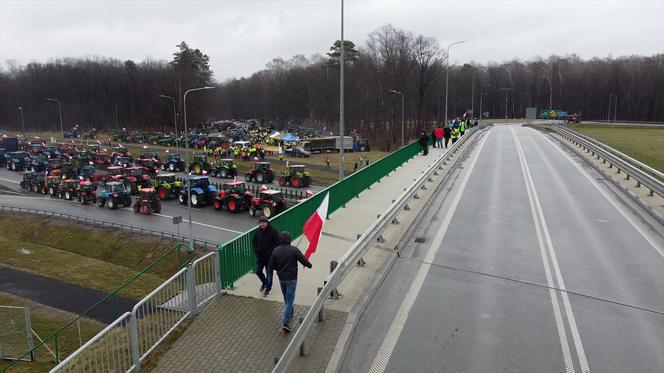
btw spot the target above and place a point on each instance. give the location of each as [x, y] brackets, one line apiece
[191, 290]
[217, 271]
[133, 336]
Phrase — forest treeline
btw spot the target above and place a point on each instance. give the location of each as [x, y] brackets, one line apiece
[108, 93]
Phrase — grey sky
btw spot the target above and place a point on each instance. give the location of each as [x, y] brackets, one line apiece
[242, 36]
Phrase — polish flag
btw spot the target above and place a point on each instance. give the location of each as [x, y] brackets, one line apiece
[98, 142]
[314, 226]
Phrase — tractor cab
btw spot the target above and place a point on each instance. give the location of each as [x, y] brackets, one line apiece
[147, 202]
[87, 192]
[67, 170]
[234, 195]
[69, 189]
[268, 203]
[54, 164]
[113, 194]
[151, 153]
[52, 184]
[51, 152]
[225, 168]
[173, 163]
[151, 165]
[94, 148]
[123, 161]
[167, 186]
[201, 191]
[295, 176]
[199, 164]
[87, 172]
[260, 173]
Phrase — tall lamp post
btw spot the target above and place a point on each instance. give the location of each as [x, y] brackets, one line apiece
[342, 64]
[608, 116]
[481, 98]
[529, 99]
[186, 144]
[506, 91]
[20, 108]
[62, 129]
[447, 74]
[175, 120]
[403, 101]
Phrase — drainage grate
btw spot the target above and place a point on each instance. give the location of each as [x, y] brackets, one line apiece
[420, 239]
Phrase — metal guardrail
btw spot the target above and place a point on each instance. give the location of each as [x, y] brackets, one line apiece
[642, 173]
[207, 245]
[350, 259]
[124, 344]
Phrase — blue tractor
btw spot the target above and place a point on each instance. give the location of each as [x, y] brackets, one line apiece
[202, 192]
[173, 163]
[113, 194]
[38, 164]
[17, 161]
[51, 152]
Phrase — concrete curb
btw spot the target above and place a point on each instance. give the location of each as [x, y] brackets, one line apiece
[363, 302]
[638, 200]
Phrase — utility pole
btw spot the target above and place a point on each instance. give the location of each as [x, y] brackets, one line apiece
[447, 74]
[481, 97]
[20, 108]
[341, 97]
[608, 116]
[506, 91]
[615, 110]
[472, 95]
[59, 110]
[403, 102]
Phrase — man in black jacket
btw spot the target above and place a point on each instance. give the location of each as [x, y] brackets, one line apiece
[424, 143]
[284, 261]
[265, 240]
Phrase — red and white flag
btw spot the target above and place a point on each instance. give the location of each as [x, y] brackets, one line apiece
[98, 142]
[314, 226]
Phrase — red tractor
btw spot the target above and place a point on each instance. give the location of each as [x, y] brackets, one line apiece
[234, 195]
[147, 202]
[150, 165]
[101, 160]
[136, 178]
[268, 202]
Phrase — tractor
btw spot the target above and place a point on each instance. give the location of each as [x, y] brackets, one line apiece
[202, 192]
[17, 161]
[87, 192]
[260, 173]
[101, 160]
[225, 169]
[51, 185]
[32, 181]
[69, 189]
[147, 202]
[87, 172]
[295, 176]
[121, 151]
[67, 170]
[123, 161]
[234, 195]
[174, 163]
[199, 165]
[38, 164]
[268, 202]
[113, 194]
[167, 186]
[150, 165]
[137, 178]
[150, 153]
[51, 152]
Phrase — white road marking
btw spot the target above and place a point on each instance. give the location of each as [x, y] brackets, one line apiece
[393, 334]
[202, 224]
[10, 181]
[620, 209]
[538, 216]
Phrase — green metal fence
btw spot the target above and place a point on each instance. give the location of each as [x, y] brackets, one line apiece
[237, 256]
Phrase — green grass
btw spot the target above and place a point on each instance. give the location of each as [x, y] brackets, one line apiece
[97, 258]
[45, 321]
[644, 144]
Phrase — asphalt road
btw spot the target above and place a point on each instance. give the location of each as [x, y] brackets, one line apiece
[531, 262]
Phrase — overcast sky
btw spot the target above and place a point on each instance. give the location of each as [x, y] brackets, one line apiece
[242, 36]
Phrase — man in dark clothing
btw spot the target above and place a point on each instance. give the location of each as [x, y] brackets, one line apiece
[265, 240]
[424, 143]
[433, 137]
[284, 260]
[448, 134]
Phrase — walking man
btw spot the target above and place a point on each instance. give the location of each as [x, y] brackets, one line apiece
[284, 260]
[447, 133]
[424, 143]
[265, 240]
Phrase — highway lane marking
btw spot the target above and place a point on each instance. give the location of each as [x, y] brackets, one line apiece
[10, 181]
[202, 224]
[389, 343]
[620, 209]
[542, 229]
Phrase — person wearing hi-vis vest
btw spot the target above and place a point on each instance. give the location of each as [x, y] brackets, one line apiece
[462, 128]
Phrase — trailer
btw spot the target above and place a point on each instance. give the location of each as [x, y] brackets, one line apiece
[327, 144]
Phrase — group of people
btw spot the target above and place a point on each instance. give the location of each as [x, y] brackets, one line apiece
[440, 136]
[274, 252]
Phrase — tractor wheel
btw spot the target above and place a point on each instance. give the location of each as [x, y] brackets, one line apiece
[51, 191]
[282, 181]
[112, 203]
[223, 173]
[269, 177]
[181, 198]
[252, 211]
[68, 196]
[268, 211]
[171, 167]
[163, 193]
[247, 177]
[363, 148]
[136, 207]
[83, 201]
[233, 204]
[145, 208]
[101, 202]
[157, 208]
[296, 182]
[260, 177]
[22, 184]
[306, 181]
[33, 169]
[198, 169]
[217, 204]
[13, 166]
[127, 202]
[195, 200]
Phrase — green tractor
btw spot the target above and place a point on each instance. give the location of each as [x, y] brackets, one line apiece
[199, 165]
[260, 173]
[33, 181]
[167, 186]
[225, 168]
[295, 176]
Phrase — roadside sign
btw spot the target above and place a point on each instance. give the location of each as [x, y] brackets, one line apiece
[177, 219]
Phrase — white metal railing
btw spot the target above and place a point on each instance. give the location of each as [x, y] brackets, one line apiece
[204, 273]
[353, 255]
[108, 351]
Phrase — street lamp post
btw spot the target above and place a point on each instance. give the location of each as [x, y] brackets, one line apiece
[529, 99]
[481, 97]
[506, 91]
[403, 101]
[186, 142]
[447, 74]
[62, 129]
[175, 120]
[608, 116]
[20, 108]
[342, 63]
